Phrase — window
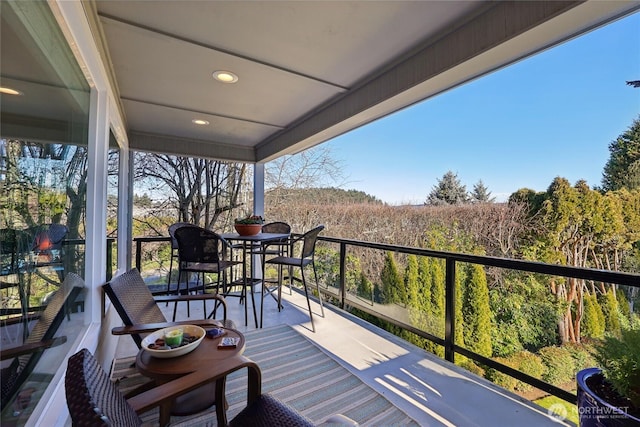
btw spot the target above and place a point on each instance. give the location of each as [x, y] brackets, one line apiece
[43, 172]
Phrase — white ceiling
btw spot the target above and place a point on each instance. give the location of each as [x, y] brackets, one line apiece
[308, 70]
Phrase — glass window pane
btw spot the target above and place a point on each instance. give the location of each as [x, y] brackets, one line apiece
[43, 170]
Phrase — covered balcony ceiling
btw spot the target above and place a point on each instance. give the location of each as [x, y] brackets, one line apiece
[307, 70]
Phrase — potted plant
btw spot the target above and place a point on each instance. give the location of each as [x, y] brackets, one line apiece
[610, 395]
[249, 225]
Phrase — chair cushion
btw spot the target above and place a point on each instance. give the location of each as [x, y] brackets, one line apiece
[267, 411]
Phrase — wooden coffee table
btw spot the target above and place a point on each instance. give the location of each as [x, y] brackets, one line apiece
[204, 357]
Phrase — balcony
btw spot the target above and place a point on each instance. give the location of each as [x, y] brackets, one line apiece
[426, 388]
[429, 389]
[87, 99]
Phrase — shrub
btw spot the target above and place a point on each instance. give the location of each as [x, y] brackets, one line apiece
[582, 355]
[503, 380]
[471, 366]
[530, 364]
[560, 365]
[523, 361]
[619, 359]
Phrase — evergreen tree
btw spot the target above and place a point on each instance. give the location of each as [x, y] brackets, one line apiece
[424, 281]
[481, 193]
[592, 324]
[459, 327]
[411, 282]
[436, 285]
[365, 287]
[609, 305]
[448, 191]
[623, 304]
[476, 310]
[622, 170]
[392, 285]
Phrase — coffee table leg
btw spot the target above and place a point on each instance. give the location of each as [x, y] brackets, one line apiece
[221, 402]
[165, 414]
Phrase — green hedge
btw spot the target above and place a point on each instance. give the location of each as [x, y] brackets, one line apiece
[561, 365]
[524, 361]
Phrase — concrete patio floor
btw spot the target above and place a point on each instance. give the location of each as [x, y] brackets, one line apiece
[427, 388]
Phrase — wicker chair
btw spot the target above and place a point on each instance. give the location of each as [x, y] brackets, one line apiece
[307, 256]
[26, 356]
[47, 248]
[174, 253]
[273, 248]
[93, 400]
[140, 313]
[202, 251]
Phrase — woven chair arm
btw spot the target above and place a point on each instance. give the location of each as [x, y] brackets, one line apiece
[15, 320]
[150, 327]
[225, 243]
[197, 297]
[168, 391]
[10, 353]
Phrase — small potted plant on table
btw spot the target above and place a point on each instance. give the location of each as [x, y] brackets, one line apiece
[610, 395]
[249, 226]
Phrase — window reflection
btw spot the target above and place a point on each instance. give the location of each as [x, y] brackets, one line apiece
[43, 183]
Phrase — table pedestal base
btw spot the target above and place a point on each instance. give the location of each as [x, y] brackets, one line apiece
[195, 401]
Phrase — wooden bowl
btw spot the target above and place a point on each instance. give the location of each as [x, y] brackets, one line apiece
[248, 229]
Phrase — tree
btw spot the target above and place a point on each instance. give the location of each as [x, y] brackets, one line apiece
[476, 311]
[200, 190]
[593, 325]
[583, 228]
[448, 191]
[622, 170]
[424, 281]
[411, 282]
[392, 283]
[312, 168]
[437, 303]
[143, 201]
[481, 193]
[611, 312]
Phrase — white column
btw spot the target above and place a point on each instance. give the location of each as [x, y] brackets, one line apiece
[258, 209]
[96, 226]
[258, 189]
[124, 217]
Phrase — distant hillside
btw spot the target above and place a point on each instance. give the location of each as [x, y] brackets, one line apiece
[319, 195]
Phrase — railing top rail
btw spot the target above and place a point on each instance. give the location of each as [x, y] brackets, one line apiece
[152, 239]
[606, 276]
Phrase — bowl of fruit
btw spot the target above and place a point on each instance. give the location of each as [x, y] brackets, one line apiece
[173, 341]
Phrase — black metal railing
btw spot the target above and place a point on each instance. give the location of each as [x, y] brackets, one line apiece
[451, 260]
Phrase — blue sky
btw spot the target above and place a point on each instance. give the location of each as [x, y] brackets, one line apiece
[550, 115]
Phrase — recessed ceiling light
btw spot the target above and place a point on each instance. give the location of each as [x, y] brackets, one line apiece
[200, 122]
[9, 91]
[225, 76]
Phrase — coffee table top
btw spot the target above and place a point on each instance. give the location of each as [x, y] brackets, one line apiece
[203, 357]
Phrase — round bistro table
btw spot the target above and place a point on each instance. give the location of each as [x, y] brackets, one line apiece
[204, 357]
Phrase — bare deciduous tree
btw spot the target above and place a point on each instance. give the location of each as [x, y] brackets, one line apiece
[200, 190]
[315, 167]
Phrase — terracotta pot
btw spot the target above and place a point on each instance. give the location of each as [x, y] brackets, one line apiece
[248, 229]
